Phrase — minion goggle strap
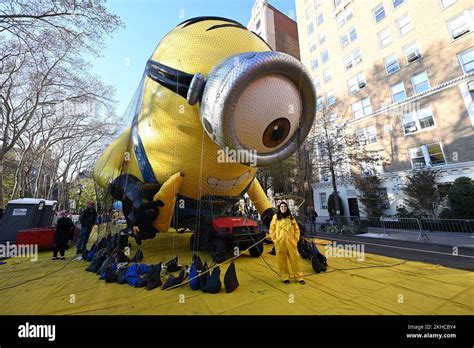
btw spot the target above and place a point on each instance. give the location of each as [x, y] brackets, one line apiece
[260, 102]
[186, 85]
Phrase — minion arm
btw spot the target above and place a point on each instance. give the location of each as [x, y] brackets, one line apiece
[261, 201]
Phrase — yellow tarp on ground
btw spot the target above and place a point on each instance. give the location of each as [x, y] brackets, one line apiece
[376, 285]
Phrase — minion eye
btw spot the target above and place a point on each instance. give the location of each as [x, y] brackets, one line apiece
[263, 102]
[267, 114]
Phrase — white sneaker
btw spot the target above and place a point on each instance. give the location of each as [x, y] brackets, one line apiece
[78, 258]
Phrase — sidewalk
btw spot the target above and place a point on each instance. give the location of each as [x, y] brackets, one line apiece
[434, 238]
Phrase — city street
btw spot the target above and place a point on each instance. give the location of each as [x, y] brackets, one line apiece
[412, 250]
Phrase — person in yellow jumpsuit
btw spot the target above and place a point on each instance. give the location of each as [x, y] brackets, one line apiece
[285, 233]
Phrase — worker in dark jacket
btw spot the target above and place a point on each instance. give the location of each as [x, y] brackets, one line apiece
[64, 227]
[87, 220]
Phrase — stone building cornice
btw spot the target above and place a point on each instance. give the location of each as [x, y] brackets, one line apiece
[434, 90]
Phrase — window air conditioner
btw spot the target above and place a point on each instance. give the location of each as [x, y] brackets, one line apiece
[413, 56]
[470, 86]
[461, 33]
[362, 84]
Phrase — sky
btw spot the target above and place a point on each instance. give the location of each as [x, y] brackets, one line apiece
[146, 22]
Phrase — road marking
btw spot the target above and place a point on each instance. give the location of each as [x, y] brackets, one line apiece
[395, 247]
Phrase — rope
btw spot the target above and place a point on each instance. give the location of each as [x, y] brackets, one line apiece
[41, 277]
[215, 266]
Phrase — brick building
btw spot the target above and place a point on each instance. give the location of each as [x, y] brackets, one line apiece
[402, 73]
[276, 28]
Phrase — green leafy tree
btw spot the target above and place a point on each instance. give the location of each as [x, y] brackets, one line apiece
[421, 193]
[82, 191]
[332, 207]
[369, 194]
[461, 198]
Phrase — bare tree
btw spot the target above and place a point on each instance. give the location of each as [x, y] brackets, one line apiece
[41, 68]
[85, 23]
[339, 151]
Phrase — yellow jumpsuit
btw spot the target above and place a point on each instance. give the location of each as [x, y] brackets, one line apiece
[285, 233]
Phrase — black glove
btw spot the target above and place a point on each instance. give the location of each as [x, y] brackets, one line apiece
[267, 216]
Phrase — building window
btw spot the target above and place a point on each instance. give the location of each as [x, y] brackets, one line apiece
[391, 64]
[412, 52]
[319, 103]
[461, 25]
[361, 108]
[257, 25]
[470, 88]
[344, 16]
[420, 82]
[418, 120]
[398, 92]
[330, 98]
[317, 4]
[404, 24]
[426, 156]
[396, 3]
[344, 40]
[379, 13]
[348, 37]
[322, 37]
[320, 19]
[312, 46]
[367, 135]
[385, 37]
[314, 64]
[353, 34]
[310, 28]
[317, 82]
[466, 59]
[341, 19]
[323, 202]
[446, 3]
[352, 59]
[321, 151]
[348, 12]
[309, 13]
[325, 56]
[327, 76]
[337, 3]
[356, 83]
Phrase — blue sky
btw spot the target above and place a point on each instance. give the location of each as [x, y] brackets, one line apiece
[147, 21]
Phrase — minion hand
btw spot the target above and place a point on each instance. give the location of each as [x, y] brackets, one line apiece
[267, 216]
[138, 204]
[143, 217]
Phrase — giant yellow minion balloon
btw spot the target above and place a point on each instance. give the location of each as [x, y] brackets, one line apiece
[215, 102]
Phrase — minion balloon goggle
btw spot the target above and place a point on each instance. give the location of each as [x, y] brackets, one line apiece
[263, 103]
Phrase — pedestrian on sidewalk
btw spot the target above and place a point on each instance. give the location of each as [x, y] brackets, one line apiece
[312, 217]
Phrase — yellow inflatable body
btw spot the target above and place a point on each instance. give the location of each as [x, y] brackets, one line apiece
[167, 136]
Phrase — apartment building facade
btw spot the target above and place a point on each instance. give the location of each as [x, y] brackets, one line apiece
[276, 28]
[401, 72]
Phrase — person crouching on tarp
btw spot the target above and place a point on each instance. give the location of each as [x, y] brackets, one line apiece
[285, 233]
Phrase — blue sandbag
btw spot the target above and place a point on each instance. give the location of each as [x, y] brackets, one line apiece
[193, 277]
